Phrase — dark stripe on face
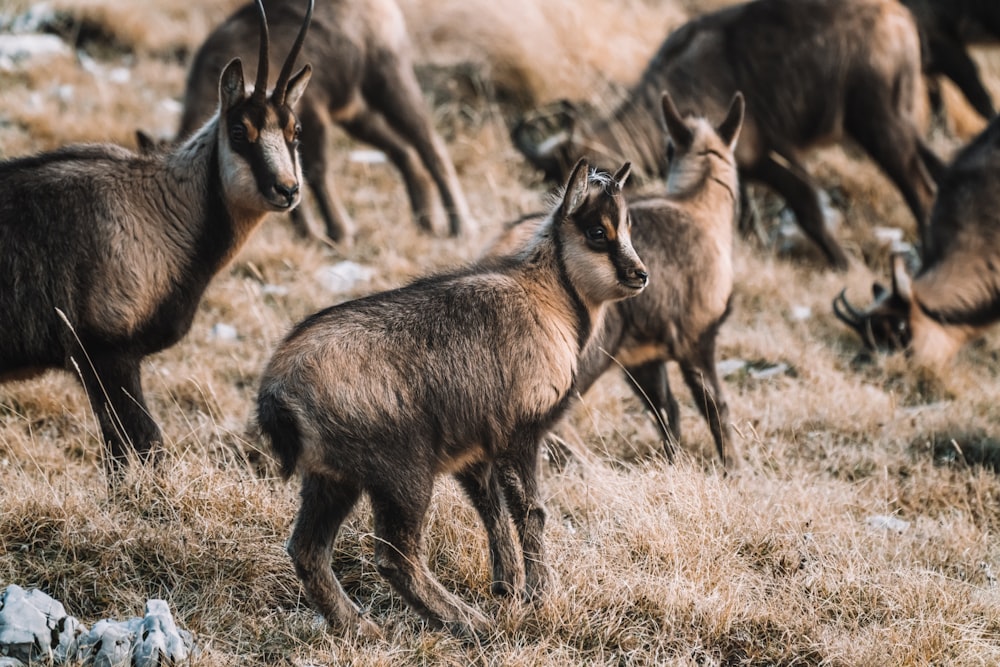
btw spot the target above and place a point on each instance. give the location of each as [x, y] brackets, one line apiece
[255, 116]
[584, 324]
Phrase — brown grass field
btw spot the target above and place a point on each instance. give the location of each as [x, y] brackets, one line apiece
[784, 564]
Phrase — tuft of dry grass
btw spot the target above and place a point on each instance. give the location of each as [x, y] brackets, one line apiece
[786, 563]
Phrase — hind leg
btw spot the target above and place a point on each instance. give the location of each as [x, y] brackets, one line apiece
[703, 381]
[399, 556]
[483, 488]
[316, 162]
[894, 144]
[371, 128]
[325, 504]
[790, 179]
[401, 102]
[952, 60]
[650, 383]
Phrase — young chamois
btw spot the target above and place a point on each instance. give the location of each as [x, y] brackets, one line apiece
[367, 86]
[460, 373]
[947, 27]
[106, 253]
[685, 240]
[955, 295]
[813, 72]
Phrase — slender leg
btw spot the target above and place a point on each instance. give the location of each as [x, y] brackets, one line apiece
[399, 557]
[483, 488]
[326, 502]
[703, 381]
[370, 127]
[952, 60]
[789, 179]
[401, 102]
[113, 385]
[519, 477]
[316, 167]
[895, 145]
[650, 383]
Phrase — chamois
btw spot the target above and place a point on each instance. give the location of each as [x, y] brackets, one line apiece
[812, 72]
[459, 373]
[947, 27]
[955, 295]
[106, 253]
[685, 240]
[367, 86]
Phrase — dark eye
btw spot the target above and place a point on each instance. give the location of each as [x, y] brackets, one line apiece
[297, 133]
[596, 234]
[238, 133]
[670, 151]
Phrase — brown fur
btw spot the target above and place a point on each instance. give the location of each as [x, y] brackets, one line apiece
[106, 253]
[685, 238]
[367, 86]
[461, 373]
[813, 72]
[956, 293]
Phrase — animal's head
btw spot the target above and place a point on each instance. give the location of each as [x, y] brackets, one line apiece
[259, 135]
[886, 324]
[697, 149]
[594, 231]
[545, 138]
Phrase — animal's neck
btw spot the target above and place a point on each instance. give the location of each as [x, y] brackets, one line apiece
[715, 188]
[211, 228]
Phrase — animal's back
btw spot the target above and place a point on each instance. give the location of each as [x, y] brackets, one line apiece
[463, 355]
[346, 37]
[789, 57]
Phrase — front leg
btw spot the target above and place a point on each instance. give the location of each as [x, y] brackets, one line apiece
[113, 385]
[519, 477]
[482, 486]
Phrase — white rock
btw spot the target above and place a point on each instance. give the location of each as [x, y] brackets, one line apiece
[728, 367]
[34, 627]
[343, 276]
[887, 522]
[17, 48]
[108, 644]
[367, 156]
[223, 331]
[801, 313]
[159, 640]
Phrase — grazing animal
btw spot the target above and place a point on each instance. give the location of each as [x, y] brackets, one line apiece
[685, 240]
[947, 27]
[367, 86]
[106, 253]
[813, 72]
[460, 373]
[955, 295]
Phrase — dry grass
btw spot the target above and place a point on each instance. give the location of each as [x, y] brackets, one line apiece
[657, 564]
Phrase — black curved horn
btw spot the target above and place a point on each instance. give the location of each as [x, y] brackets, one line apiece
[855, 319]
[260, 87]
[286, 70]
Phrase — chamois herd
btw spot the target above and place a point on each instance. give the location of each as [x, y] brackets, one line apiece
[466, 372]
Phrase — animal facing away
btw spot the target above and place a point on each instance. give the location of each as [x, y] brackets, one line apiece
[106, 253]
[367, 86]
[947, 27]
[685, 240]
[460, 373]
[813, 72]
[955, 295]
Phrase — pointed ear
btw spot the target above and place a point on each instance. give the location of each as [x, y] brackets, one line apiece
[145, 141]
[729, 130]
[297, 86]
[902, 283]
[575, 191]
[232, 90]
[678, 131]
[622, 175]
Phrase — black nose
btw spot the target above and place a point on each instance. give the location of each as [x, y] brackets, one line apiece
[287, 191]
[640, 275]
